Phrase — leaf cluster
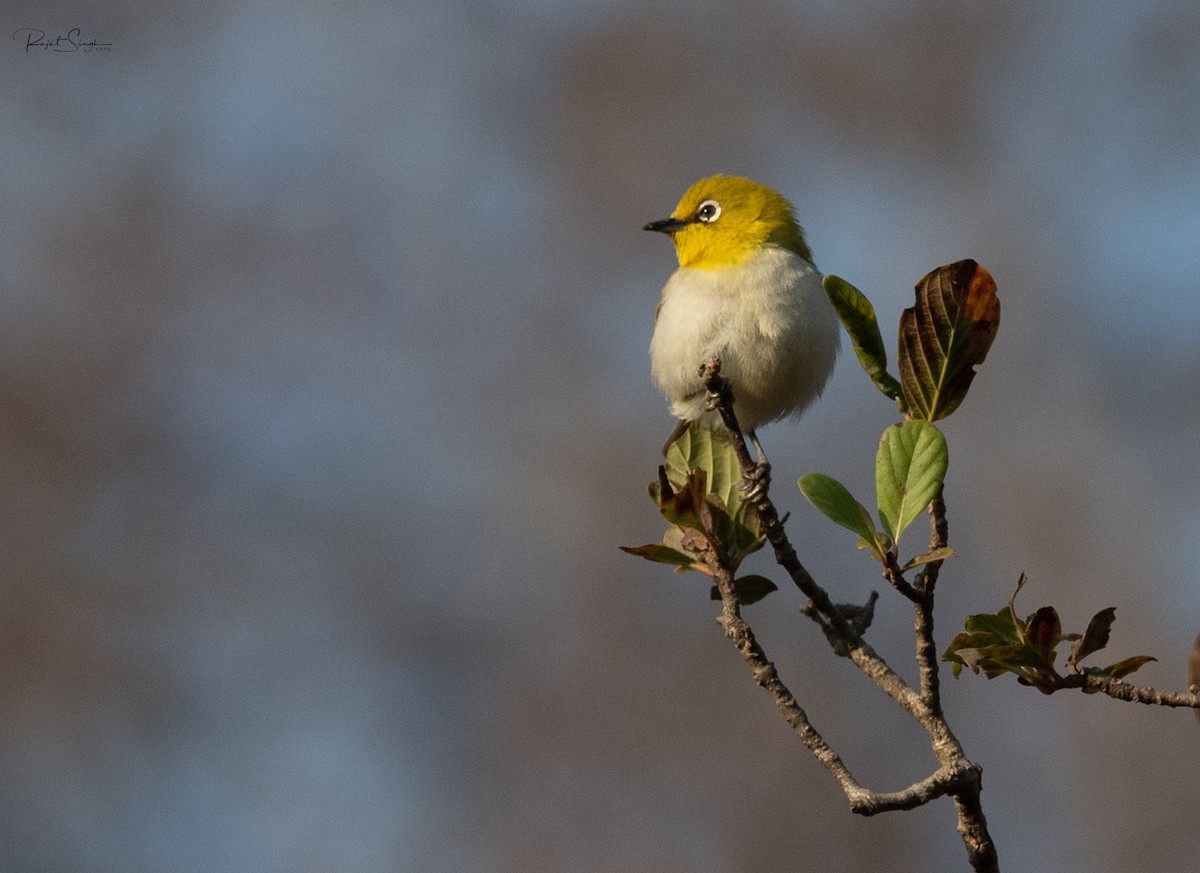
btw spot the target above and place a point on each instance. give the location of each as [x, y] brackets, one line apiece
[708, 515]
[942, 338]
[910, 466]
[998, 643]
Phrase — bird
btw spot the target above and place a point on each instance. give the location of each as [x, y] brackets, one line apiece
[747, 291]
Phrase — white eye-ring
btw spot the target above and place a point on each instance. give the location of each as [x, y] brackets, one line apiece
[708, 212]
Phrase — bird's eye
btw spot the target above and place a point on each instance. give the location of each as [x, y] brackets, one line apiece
[709, 211]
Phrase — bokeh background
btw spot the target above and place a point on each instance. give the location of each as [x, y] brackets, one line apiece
[324, 405]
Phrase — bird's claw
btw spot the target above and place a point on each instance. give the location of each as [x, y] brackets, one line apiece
[755, 484]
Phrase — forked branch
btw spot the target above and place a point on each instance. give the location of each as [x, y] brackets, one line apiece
[957, 776]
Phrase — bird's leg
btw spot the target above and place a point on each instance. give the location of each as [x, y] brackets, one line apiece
[759, 479]
[680, 429]
[758, 450]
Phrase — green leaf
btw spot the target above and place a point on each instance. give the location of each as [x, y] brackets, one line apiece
[1023, 660]
[750, 589]
[660, 553]
[909, 469]
[1128, 665]
[981, 652]
[708, 449]
[838, 505]
[944, 336]
[939, 554]
[858, 317]
[1001, 625]
[697, 493]
[734, 521]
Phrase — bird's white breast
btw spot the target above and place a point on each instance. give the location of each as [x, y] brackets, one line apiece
[767, 319]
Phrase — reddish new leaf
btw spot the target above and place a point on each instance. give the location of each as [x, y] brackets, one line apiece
[682, 505]
[1095, 637]
[944, 336]
[1044, 632]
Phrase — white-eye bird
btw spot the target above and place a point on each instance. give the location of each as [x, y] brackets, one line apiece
[746, 291]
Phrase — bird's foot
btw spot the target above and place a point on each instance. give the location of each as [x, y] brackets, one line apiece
[755, 484]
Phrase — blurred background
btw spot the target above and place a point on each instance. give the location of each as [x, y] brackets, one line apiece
[324, 406]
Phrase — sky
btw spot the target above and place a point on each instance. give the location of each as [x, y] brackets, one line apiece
[325, 392]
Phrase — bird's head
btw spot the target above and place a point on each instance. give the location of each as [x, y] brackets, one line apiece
[725, 220]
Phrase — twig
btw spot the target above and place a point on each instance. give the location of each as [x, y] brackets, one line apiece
[957, 776]
[766, 676]
[943, 781]
[895, 577]
[721, 396]
[1095, 683]
[927, 656]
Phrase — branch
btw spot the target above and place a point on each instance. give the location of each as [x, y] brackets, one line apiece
[945, 780]
[767, 677]
[821, 607]
[1095, 683]
[895, 577]
[927, 654]
[957, 776]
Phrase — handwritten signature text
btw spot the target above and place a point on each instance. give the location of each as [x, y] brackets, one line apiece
[71, 42]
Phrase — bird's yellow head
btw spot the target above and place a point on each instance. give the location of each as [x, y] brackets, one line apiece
[724, 220]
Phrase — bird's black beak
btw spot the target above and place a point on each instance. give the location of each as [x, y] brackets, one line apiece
[666, 225]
